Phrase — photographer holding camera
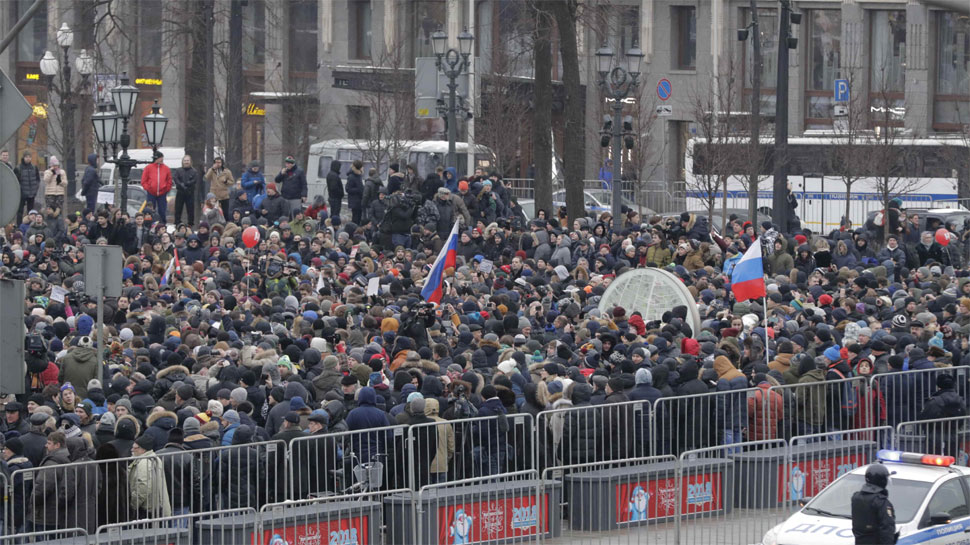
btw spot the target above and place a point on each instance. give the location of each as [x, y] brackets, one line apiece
[55, 182]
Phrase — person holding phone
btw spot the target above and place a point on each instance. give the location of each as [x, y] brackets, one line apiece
[55, 183]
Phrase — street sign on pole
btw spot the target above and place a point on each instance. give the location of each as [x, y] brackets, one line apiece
[430, 85]
[102, 270]
[9, 194]
[664, 89]
[665, 110]
[14, 106]
[102, 278]
[12, 337]
[841, 90]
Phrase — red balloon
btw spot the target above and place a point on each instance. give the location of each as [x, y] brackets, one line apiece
[250, 236]
[943, 236]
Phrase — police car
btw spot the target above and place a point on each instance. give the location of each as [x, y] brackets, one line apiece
[931, 497]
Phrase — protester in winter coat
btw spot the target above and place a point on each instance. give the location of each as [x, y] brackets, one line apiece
[91, 182]
[335, 188]
[146, 480]
[221, 183]
[291, 182]
[156, 180]
[355, 191]
[29, 178]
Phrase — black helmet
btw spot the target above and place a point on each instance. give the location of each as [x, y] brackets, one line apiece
[878, 475]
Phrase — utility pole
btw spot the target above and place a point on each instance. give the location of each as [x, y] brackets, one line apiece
[781, 215]
[755, 114]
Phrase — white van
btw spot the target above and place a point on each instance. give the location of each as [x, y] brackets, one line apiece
[426, 155]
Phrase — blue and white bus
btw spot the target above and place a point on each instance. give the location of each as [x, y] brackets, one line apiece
[931, 173]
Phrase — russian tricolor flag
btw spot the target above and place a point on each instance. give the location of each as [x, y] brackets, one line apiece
[748, 277]
[447, 257]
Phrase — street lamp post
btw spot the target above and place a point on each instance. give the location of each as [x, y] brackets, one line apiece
[452, 63]
[618, 83]
[50, 67]
[106, 125]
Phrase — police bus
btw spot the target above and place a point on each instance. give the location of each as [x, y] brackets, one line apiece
[928, 167]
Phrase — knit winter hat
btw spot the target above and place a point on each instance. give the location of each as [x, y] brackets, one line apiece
[238, 395]
[832, 353]
[231, 416]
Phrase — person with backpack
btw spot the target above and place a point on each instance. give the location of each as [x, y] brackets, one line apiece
[399, 215]
[842, 398]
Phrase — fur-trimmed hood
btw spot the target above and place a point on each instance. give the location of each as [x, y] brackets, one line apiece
[426, 366]
[175, 369]
[131, 422]
[154, 417]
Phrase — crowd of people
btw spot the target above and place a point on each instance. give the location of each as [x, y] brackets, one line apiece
[216, 344]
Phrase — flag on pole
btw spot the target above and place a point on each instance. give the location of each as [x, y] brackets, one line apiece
[748, 277]
[178, 266]
[167, 277]
[447, 257]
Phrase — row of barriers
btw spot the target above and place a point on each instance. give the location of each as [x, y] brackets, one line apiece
[729, 463]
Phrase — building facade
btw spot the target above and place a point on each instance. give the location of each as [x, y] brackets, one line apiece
[311, 67]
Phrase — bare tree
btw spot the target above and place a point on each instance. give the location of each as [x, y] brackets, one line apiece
[389, 103]
[542, 116]
[501, 127]
[848, 156]
[506, 98]
[568, 14]
[720, 152]
[888, 155]
[643, 163]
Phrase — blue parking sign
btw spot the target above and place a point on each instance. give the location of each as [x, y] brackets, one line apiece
[841, 90]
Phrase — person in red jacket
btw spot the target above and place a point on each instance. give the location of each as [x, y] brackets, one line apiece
[156, 179]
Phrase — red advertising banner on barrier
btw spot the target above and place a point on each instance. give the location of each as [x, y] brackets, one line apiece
[657, 498]
[809, 477]
[346, 531]
[492, 520]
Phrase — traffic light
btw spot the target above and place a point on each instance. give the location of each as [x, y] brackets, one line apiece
[607, 133]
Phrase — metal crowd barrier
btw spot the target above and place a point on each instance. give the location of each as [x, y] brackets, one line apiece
[325, 464]
[946, 436]
[457, 450]
[68, 536]
[722, 494]
[210, 528]
[615, 499]
[700, 421]
[731, 463]
[905, 393]
[93, 493]
[498, 508]
[814, 407]
[590, 434]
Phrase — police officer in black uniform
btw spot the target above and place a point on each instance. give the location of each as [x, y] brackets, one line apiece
[873, 516]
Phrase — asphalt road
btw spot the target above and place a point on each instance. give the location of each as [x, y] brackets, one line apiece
[741, 527]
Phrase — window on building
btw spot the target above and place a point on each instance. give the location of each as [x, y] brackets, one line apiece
[428, 16]
[254, 34]
[629, 25]
[32, 40]
[888, 50]
[360, 29]
[952, 71]
[684, 23]
[768, 33]
[149, 35]
[358, 122]
[824, 51]
[303, 35]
